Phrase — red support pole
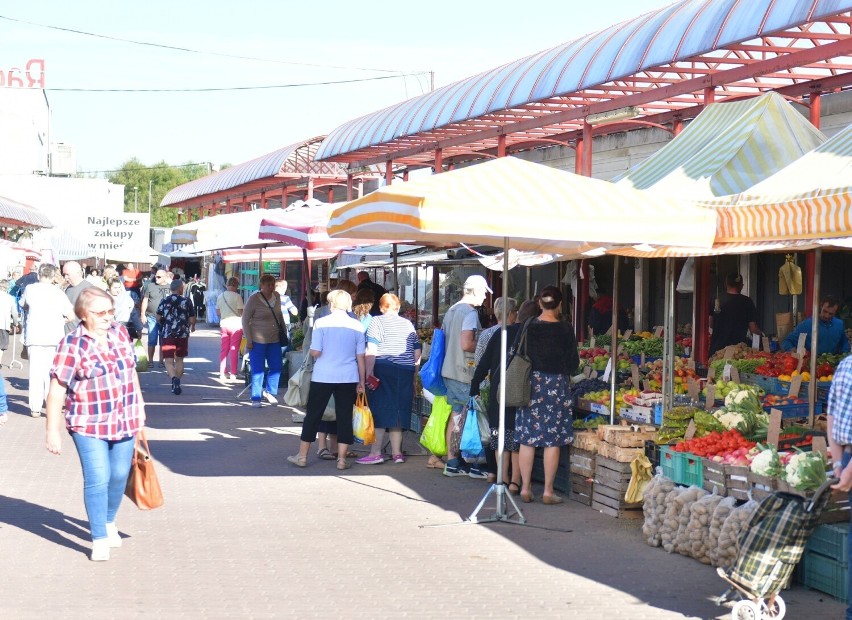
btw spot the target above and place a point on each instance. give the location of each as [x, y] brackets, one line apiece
[501, 145]
[262, 200]
[439, 161]
[677, 126]
[587, 150]
[709, 95]
[578, 157]
[349, 186]
[389, 172]
[815, 108]
[310, 192]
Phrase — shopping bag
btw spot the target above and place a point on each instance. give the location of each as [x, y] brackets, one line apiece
[141, 353]
[430, 372]
[143, 486]
[299, 384]
[362, 421]
[434, 435]
[640, 476]
[471, 442]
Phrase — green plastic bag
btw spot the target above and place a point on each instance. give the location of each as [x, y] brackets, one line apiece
[434, 435]
[141, 352]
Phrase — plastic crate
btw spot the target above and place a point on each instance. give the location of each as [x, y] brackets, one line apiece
[822, 389]
[826, 575]
[795, 411]
[829, 540]
[682, 467]
[770, 385]
[652, 451]
[789, 443]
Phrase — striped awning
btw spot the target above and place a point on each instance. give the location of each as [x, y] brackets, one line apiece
[235, 229]
[809, 199]
[274, 253]
[14, 213]
[537, 207]
[727, 149]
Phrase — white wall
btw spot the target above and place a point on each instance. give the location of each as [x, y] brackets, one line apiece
[24, 131]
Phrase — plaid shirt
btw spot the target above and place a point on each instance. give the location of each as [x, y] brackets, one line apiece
[102, 400]
[840, 402]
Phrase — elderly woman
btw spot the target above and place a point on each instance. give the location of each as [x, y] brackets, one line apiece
[230, 307]
[262, 320]
[546, 422]
[123, 305]
[95, 390]
[337, 346]
[393, 352]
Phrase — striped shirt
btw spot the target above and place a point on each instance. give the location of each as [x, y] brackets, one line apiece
[102, 400]
[394, 339]
[840, 402]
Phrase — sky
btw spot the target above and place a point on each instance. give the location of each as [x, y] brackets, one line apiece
[292, 44]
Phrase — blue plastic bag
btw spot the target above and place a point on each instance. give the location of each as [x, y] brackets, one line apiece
[471, 441]
[430, 373]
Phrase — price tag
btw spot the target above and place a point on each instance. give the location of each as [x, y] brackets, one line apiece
[800, 346]
[634, 373]
[729, 352]
[607, 370]
[795, 386]
[818, 445]
[711, 372]
[592, 342]
[594, 375]
[801, 361]
[710, 403]
[587, 371]
[642, 358]
[690, 431]
[609, 331]
[755, 341]
[811, 388]
[591, 333]
[774, 431]
[691, 364]
[627, 334]
[646, 385]
[735, 374]
[692, 388]
[620, 350]
[766, 346]
[658, 331]
[726, 372]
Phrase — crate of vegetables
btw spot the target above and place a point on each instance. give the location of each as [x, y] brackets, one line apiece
[770, 385]
[801, 439]
[789, 406]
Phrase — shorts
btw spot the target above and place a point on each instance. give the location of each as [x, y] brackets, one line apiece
[174, 347]
[458, 393]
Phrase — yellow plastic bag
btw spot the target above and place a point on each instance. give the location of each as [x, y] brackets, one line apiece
[640, 469]
[362, 421]
[790, 278]
[434, 435]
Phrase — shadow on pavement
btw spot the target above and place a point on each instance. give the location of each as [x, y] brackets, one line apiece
[50, 524]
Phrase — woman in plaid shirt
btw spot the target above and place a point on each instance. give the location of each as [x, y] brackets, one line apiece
[94, 378]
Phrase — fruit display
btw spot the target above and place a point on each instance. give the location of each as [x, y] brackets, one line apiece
[717, 444]
[749, 365]
[723, 388]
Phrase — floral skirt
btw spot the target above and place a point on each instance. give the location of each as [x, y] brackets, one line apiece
[547, 421]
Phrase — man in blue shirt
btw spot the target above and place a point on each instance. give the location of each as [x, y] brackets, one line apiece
[831, 334]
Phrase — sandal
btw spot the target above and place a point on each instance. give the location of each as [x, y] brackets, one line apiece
[349, 454]
[516, 490]
[325, 455]
[435, 462]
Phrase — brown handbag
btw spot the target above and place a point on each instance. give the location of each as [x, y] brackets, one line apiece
[143, 486]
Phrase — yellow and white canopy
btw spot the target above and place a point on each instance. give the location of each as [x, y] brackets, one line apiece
[537, 207]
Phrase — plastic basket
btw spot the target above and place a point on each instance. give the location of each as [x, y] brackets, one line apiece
[829, 540]
[682, 467]
[795, 411]
[770, 385]
[826, 575]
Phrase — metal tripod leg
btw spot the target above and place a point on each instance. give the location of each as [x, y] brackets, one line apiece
[13, 361]
[501, 495]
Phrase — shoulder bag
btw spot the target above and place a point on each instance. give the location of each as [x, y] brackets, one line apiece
[143, 486]
[518, 383]
[283, 339]
[299, 384]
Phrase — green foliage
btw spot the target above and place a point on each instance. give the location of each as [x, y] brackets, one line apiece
[160, 178]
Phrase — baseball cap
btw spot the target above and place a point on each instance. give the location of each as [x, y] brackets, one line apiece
[477, 282]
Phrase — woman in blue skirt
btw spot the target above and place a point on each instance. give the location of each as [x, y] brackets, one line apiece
[393, 353]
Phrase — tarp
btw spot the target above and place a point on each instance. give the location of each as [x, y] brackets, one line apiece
[305, 226]
[539, 208]
[204, 232]
[727, 149]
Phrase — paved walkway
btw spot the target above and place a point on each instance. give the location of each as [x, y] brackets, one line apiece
[244, 534]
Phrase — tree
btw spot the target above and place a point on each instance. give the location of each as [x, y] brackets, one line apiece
[160, 178]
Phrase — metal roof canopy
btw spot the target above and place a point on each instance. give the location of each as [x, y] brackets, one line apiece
[661, 63]
[284, 171]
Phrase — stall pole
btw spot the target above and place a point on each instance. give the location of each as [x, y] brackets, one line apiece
[669, 337]
[613, 345]
[395, 270]
[416, 297]
[815, 310]
[436, 283]
[498, 488]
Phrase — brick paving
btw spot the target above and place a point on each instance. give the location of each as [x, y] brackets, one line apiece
[244, 534]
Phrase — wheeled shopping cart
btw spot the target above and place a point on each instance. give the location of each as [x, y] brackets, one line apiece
[770, 548]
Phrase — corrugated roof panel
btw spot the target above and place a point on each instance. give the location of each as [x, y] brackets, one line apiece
[670, 34]
[18, 214]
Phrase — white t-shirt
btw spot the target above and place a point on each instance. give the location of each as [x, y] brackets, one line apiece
[46, 308]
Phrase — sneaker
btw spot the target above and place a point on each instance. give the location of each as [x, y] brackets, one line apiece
[100, 550]
[176, 386]
[270, 398]
[370, 459]
[256, 404]
[477, 473]
[3, 418]
[35, 414]
[233, 378]
[454, 468]
[298, 460]
[113, 537]
[399, 458]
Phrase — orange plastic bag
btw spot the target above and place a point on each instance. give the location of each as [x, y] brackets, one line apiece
[362, 421]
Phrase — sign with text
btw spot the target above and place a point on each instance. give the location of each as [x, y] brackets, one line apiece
[107, 233]
[31, 76]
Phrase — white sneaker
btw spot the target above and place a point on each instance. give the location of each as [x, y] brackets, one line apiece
[113, 536]
[256, 404]
[270, 398]
[100, 550]
[35, 414]
[233, 378]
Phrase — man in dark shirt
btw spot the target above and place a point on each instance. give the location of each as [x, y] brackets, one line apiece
[736, 317]
[364, 281]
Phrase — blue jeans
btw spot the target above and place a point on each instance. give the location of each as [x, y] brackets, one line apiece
[4, 405]
[458, 394]
[265, 357]
[153, 330]
[106, 465]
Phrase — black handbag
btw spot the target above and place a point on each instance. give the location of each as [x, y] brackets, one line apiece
[518, 382]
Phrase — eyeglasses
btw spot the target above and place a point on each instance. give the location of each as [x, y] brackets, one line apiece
[102, 313]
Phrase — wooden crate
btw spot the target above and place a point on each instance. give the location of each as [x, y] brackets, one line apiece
[714, 477]
[627, 437]
[617, 453]
[761, 486]
[582, 462]
[582, 488]
[736, 481]
[837, 510]
[611, 481]
[586, 440]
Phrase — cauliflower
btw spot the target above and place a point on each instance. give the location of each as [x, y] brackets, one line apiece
[792, 469]
[730, 419]
[767, 462]
[806, 471]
